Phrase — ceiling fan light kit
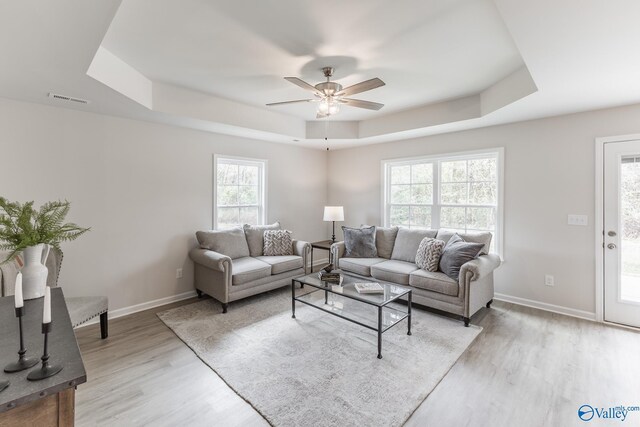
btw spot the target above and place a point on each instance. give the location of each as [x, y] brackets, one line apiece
[328, 107]
[330, 95]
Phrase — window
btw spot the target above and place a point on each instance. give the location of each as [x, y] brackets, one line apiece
[239, 192]
[460, 192]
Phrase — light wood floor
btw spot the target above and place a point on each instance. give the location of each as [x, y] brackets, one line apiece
[527, 368]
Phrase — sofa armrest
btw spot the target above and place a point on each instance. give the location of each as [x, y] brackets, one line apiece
[302, 249]
[337, 251]
[210, 259]
[479, 267]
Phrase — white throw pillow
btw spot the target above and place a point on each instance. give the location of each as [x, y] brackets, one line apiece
[429, 252]
[277, 242]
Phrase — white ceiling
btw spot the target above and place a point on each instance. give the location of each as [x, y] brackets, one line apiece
[425, 50]
[211, 65]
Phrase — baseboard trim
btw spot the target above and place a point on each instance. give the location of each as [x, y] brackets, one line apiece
[114, 314]
[581, 314]
[319, 262]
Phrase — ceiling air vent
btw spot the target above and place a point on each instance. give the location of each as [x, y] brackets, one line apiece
[67, 98]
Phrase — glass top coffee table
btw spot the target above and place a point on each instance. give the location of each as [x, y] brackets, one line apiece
[344, 301]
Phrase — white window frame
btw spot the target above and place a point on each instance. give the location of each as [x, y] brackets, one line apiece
[262, 164]
[498, 152]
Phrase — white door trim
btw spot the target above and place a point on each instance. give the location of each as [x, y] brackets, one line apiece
[599, 218]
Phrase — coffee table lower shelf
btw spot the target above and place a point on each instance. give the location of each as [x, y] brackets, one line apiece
[387, 316]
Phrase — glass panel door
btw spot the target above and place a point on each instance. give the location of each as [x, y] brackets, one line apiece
[622, 232]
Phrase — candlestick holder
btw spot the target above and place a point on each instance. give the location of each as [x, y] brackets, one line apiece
[3, 385]
[45, 370]
[23, 362]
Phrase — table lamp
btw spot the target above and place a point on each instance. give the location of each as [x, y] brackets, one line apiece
[333, 214]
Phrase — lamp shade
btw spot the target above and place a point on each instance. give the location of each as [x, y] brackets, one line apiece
[333, 213]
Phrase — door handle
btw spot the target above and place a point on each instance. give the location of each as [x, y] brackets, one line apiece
[611, 246]
[612, 233]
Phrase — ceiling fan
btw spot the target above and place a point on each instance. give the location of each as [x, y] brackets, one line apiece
[330, 95]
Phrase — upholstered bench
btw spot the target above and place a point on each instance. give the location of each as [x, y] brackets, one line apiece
[81, 309]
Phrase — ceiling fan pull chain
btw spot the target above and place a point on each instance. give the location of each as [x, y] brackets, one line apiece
[326, 139]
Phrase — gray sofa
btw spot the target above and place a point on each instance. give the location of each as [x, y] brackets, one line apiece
[395, 263]
[230, 265]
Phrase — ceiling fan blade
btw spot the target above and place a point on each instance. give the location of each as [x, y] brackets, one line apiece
[304, 85]
[361, 87]
[361, 104]
[290, 102]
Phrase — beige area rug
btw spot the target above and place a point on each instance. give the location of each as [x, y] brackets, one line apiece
[318, 369]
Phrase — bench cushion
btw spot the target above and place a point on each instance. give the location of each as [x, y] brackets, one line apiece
[435, 281]
[361, 266]
[282, 263]
[393, 271]
[248, 269]
[83, 309]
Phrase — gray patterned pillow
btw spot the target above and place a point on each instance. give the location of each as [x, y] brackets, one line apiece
[360, 242]
[277, 242]
[428, 255]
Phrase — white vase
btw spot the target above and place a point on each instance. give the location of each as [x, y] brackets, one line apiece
[34, 272]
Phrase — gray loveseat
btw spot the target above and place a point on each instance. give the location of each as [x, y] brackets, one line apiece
[230, 265]
[395, 263]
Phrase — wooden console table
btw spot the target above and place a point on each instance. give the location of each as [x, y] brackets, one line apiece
[49, 402]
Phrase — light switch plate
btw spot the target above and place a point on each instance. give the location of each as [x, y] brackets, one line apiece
[582, 220]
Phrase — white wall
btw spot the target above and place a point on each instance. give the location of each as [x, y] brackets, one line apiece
[144, 188]
[549, 173]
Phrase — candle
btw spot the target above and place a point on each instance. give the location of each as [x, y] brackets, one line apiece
[18, 291]
[46, 313]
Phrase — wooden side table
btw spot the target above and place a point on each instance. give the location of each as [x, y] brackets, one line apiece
[324, 245]
[49, 402]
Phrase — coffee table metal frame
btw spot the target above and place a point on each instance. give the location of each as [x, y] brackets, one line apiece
[327, 288]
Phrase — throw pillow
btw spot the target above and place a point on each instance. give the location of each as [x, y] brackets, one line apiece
[360, 242]
[483, 237]
[456, 253]
[255, 237]
[429, 252]
[231, 243]
[277, 243]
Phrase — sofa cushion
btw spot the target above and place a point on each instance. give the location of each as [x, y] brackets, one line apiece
[428, 255]
[385, 239]
[407, 242]
[361, 266]
[456, 253]
[277, 243]
[483, 237]
[255, 237]
[435, 281]
[231, 243]
[281, 264]
[248, 269]
[393, 271]
[360, 242]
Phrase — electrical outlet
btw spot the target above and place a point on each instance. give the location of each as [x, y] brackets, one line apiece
[573, 219]
[549, 280]
[179, 273]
